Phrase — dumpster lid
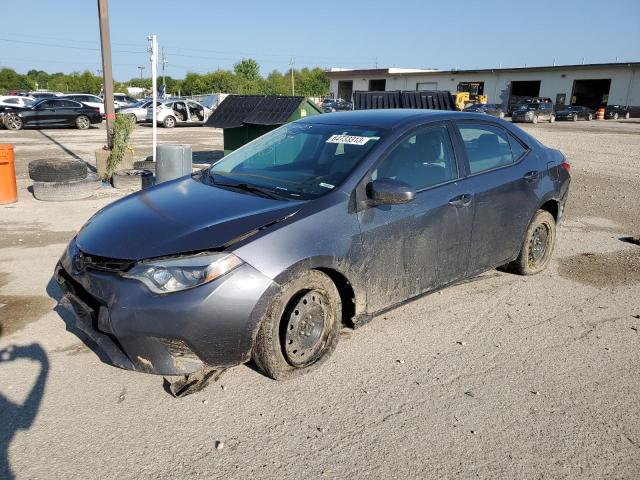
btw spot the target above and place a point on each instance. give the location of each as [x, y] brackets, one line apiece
[233, 110]
[273, 110]
[238, 110]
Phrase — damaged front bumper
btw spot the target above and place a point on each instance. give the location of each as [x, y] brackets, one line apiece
[179, 333]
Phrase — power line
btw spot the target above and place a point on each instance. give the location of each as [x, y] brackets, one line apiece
[41, 44]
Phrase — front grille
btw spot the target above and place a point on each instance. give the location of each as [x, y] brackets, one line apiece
[84, 261]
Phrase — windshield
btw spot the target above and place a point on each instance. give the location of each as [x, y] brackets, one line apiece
[527, 106]
[298, 160]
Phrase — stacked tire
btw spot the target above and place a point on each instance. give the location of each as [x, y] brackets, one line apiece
[132, 179]
[57, 180]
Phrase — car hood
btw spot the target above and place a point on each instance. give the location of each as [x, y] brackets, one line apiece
[180, 216]
[565, 112]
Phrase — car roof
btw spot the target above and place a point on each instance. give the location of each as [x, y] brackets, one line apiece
[387, 118]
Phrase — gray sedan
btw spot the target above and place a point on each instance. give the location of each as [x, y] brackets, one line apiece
[323, 223]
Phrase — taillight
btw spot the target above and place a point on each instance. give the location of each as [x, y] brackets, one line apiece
[97, 110]
[566, 165]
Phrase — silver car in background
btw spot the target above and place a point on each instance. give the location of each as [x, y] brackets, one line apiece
[137, 111]
[179, 112]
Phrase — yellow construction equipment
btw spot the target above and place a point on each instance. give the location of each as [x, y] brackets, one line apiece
[468, 94]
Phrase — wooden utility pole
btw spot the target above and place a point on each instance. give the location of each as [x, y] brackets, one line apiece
[107, 73]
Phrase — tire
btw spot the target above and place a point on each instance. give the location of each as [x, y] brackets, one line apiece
[534, 119]
[627, 116]
[590, 117]
[533, 260]
[132, 117]
[615, 116]
[57, 170]
[279, 349]
[13, 122]
[501, 115]
[65, 191]
[132, 179]
[169, 122]
[83, 122]
[552, 118]
[145, 165]
[574, 118]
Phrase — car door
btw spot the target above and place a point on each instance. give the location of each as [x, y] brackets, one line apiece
[180, 112]
[46, 113]
[415, 247]
[69, 110]
[503, 176]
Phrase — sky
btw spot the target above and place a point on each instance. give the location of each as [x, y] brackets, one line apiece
[201, 36]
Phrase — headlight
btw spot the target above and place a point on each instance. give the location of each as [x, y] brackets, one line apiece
[173, 275]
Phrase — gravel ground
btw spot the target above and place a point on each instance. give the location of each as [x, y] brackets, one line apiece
[499, 377]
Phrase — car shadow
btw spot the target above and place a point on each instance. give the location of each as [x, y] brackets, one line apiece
[20, 416]
[67, 151]
[69, 319]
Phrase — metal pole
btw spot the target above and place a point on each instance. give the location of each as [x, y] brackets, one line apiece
[154, 90]
[107, 79]
[293, 82]
[141, 68]
[164, 62]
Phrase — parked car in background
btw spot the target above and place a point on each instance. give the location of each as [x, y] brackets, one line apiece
[493, 109]
[179, 112]
[524, 101]
[137, 111]
[41, 95]
[574, 113]
[243, 265]
[90, 100]
[121, 100]
[52, 112]
[14, 101]
[336, 105]
[534, 112]
[615, 112]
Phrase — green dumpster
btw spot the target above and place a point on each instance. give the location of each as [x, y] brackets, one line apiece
[244, 118]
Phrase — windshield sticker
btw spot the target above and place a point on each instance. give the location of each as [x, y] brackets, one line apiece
[326, 185]
[350, 139]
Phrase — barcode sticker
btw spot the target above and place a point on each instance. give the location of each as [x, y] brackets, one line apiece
[350, 139]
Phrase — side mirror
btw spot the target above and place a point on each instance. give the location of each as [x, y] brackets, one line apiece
[387, 191]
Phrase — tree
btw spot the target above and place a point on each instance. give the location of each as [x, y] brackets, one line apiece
[248, 69]
[11, 80]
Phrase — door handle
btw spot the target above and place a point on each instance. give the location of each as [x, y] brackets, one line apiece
[463, 200]
[531, 176]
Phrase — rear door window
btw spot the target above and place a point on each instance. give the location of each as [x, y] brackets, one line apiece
[489, 147]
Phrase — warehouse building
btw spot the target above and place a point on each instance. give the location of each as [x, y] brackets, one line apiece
[591, 85]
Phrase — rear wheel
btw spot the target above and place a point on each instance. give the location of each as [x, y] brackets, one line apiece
[615, 116]
[574, 118]
[301, 327]
[627, 116]
[534, 119]
[13, 122]
[132, 117]
[83, 122]
[169, 122]
[590, 117]
[552, 118]
[538, 246]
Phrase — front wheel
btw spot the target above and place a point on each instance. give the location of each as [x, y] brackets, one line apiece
[615, 116]
[83, 122]
[552, 118]
[574, 118]
[537, 248]
[169, 122]
[301, 327]
[13, 122]
[627, 116]
[590, 117]
[534, 119]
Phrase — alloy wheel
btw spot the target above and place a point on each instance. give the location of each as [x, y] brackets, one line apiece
[13, 122]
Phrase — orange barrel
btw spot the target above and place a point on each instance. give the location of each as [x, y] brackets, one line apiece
[600, 114]
[8, 189]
